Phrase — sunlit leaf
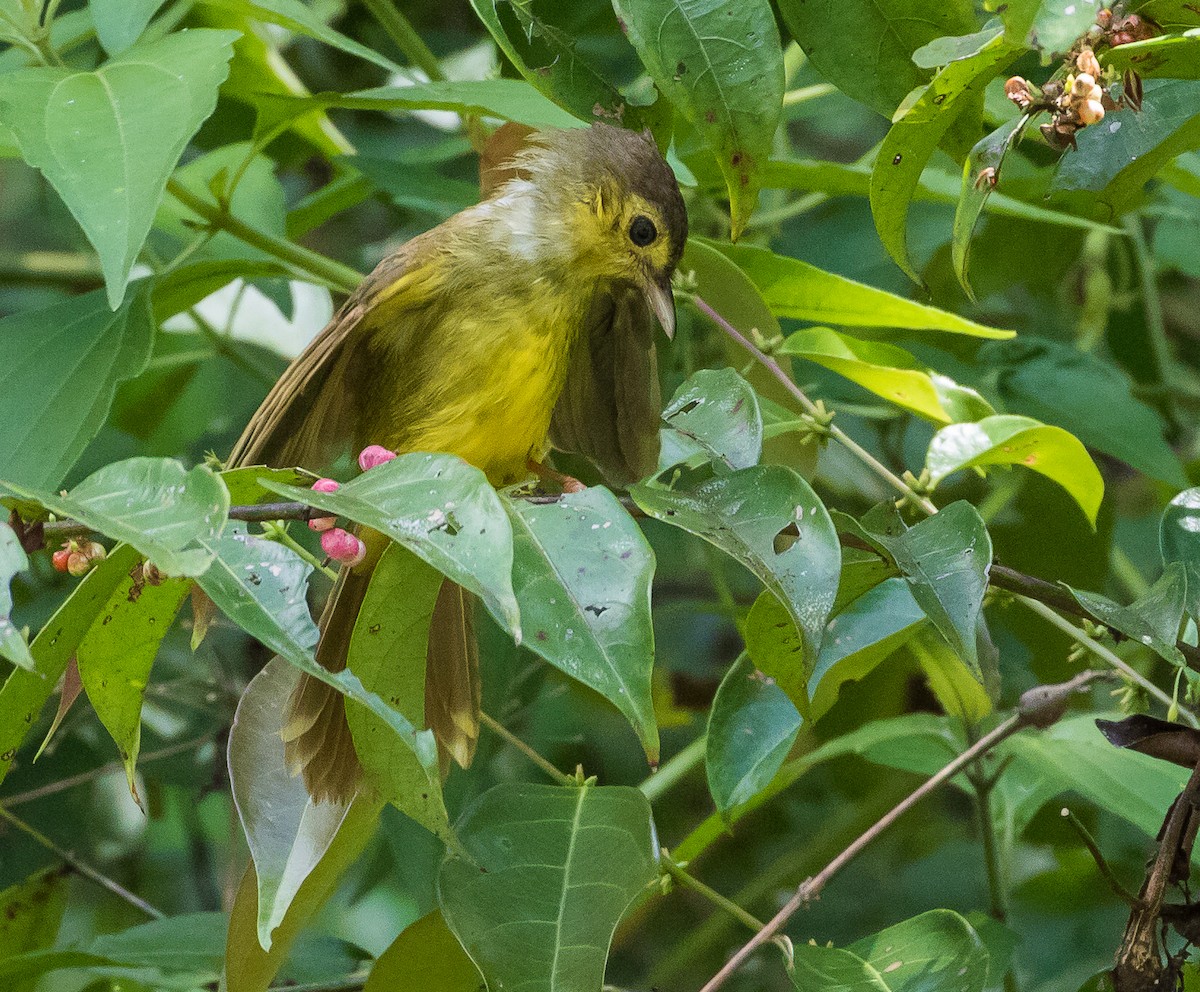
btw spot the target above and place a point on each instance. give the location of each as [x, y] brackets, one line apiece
[582, 571]
[716, 415]
[751, 728]
[54, 409]
[1172, 56]
[108, 140]
[119, 23]
[914, 137]
[1012, 440]
[582, 856]
[721, 65]
[1179, 541]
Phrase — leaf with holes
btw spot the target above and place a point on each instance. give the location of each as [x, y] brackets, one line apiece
[12, 561]
[1010, 440]
[714, 415]
[441, 509]
[1153, 619]
[582, 855]
[721, 65]
[165, 511]
[914, 137]
[54, 409]
[582, 571]
[108, 140]
[769, 519]
[751, 728]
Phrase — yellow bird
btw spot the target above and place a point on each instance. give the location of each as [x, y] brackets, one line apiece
[522, 321]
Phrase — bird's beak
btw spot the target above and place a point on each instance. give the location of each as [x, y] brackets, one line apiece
[662, 304]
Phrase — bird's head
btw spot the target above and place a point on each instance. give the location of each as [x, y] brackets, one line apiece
[619, 216]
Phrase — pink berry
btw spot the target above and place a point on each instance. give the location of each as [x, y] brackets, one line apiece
[320, 524]
[343, 547]
[326, 486]
[59, 558]
[372, 455]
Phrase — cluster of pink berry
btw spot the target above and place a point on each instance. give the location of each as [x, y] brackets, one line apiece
[340, 545]
[78, 557]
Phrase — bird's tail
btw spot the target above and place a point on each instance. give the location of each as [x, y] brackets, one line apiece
[316, 735]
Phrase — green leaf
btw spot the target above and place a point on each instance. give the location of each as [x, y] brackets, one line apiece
[509, 99]
[754, 515]
[165, 511]
[387, 652]
[819, 968]
[884, 369]
[946, 559]
[12, 561]
[426, 956]
[549, 59]
[865, 48]
[951, 48]
[1012, 440]
[287, 832]
[25, 693]
[441, 509]
[108, 140]
[751, 728]
[53, 409]
[582, 572]
[1179, 541]
[551, 874]
[980, 172]
[117, 652]
[1172, 56]
[792, 288]
[119, 23]
[30, 914]
[1091, 398]
[914, 137]
[958, 689]
[867, 631]
[721, 65]
[715, 414]
[1153, 619]
[1118, 156]
[417, 188]
[260, 586]
[295, 15]
[937, 949]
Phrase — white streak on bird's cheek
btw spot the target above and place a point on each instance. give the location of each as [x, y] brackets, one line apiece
[516, 222]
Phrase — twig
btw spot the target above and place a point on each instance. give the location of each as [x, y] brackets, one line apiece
[690, 881]
[405, 37]
[1102, 864]
[347, 983]
[496, 727]
[84, 869]
[670, 772]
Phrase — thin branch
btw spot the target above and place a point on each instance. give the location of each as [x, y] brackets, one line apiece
[497, 728]
[670, 772]
[690, 881]
[1101, 862]
[84, 869]
[405, 37]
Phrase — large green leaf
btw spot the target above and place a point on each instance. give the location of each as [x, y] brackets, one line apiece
[1153, 619]
[751, 728]
[792, 288]
[441, 509]
[938, 949]
[865, 48]
[946, 559]
[52, 409]
[1117, 157]
[552, 871]
[108, 140]
[1091, 398]
[30, 914]
[716, 415]
[885, 369]
[12, 561]
[260, 585]
[287, 832]
[117, 652]
[1012, 440]
[582, 571]
[721, 65]
[915, 136]
[167, 512]
[119, 23]
[1179, 541]
[1172, 56]
[426, 956]
[548, 57]
[25, 693]
[387, 652]
[769, 519]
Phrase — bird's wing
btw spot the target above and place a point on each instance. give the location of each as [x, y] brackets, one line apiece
[610, 408]
[315, 410]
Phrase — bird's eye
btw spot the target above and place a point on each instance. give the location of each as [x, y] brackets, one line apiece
[642, 231]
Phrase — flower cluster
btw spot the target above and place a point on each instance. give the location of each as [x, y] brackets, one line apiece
[340, 545]
[78, 557]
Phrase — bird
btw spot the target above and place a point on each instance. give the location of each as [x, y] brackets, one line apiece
[521, 324]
